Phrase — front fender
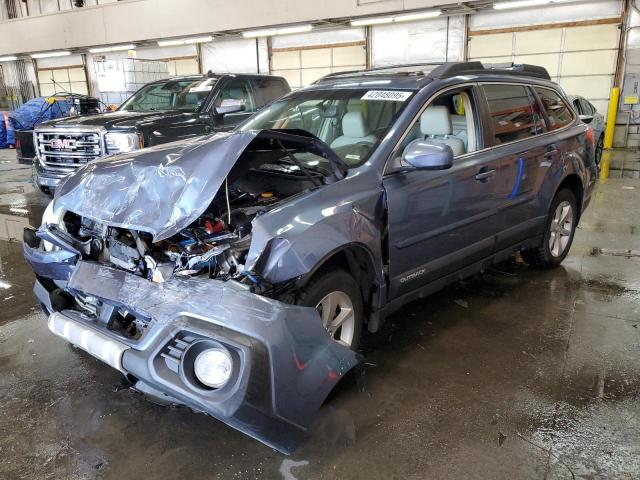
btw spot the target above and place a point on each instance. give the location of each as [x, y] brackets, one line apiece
[304, 239]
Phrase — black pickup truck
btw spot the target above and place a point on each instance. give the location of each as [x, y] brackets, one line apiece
[164, 111]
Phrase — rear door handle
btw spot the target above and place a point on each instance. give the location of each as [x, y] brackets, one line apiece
[551, 151]
[484, 175]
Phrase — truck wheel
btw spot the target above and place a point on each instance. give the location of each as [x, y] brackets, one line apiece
[558, 233]
[337, 298]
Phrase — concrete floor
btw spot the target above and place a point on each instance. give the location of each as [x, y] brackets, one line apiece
[515, 374]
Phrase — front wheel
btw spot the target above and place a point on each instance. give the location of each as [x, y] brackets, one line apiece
[558, 234]
[337, 298]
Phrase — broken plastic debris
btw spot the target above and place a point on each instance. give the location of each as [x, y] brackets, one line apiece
[462, 303]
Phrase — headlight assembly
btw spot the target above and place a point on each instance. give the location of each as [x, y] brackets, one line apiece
[119, 142]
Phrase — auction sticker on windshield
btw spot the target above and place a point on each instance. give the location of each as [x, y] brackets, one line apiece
[386, 95]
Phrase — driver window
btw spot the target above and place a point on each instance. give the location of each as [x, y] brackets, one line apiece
[448, 120]
[237, 90]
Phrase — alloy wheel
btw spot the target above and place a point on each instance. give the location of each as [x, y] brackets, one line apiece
[338, 317]
[561, 229]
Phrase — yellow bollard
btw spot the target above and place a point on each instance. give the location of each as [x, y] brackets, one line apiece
[611, 117]
[605, 161]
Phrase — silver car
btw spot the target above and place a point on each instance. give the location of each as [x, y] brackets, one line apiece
[591, 116]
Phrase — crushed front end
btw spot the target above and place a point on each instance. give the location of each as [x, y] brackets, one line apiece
[278, 364]
[173, 308]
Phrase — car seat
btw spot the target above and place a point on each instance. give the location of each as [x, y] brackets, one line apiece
[459, 128]
[435, 127]
[354, 131]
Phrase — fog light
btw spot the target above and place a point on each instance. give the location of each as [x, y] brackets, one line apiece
[213, 367]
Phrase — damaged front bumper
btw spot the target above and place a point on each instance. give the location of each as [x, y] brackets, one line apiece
[284, 363]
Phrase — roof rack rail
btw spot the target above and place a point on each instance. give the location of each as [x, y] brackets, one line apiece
[386, 68]
[451, 69]
[454, 69]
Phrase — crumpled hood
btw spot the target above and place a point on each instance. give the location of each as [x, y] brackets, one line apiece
[160, 190]
[163, 189]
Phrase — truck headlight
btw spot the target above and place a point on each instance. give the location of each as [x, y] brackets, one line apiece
[118, 142]
[213, 367]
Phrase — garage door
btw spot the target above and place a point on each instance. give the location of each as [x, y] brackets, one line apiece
[581, 58]
[71, 79]
[183, 66]
[302, 66]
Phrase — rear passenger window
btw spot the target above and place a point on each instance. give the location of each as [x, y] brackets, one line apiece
[577, 106]
[271, 89]
[558, 111]
[587, 108]
[514, 112]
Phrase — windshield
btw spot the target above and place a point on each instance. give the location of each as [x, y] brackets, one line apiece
[352, 122]
[185, 95]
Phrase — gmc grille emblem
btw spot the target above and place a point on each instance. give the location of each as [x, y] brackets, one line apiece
[62, 144]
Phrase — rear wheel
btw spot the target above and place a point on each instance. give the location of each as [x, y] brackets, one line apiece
[336, 296]
[558, 234]
[599, 150]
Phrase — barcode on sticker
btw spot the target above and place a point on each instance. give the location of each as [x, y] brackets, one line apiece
[386, 95]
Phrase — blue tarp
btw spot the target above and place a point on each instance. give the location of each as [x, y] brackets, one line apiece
[29, 115]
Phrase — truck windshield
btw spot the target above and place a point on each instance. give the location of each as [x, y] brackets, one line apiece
[186, 95]
[351, 121]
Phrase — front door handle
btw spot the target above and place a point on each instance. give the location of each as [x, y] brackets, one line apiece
[485, 174]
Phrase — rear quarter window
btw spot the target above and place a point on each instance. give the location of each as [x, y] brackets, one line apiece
[557, 110]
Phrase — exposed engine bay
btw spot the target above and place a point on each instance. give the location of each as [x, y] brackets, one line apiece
[216, 244]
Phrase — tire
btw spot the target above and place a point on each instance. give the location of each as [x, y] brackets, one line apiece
[543, 256]
[339, 288]
[599, 150]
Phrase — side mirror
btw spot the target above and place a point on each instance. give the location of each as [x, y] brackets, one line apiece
[230, 106]
[586, 118]
[428, 156]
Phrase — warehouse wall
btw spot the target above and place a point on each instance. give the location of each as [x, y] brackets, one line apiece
[581, 58]
[133, 20]
[435, 40]
[305, 57]
[627, 133]
[578, 44]
[238, 55]
[14, 81]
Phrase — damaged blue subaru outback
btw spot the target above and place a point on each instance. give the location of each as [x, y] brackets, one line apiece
[235, 273]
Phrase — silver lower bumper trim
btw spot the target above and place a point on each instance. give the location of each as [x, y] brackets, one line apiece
[92, 342]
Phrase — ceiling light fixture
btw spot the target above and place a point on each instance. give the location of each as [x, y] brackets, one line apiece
[270, 32]
[406, 17]
[10, 58]
[525, 3]
[184, 41]
[115, 48]
[60, 53]
[371, 21]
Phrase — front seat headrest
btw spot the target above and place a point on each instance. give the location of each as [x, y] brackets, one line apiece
[435, 120]
[353, 125]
